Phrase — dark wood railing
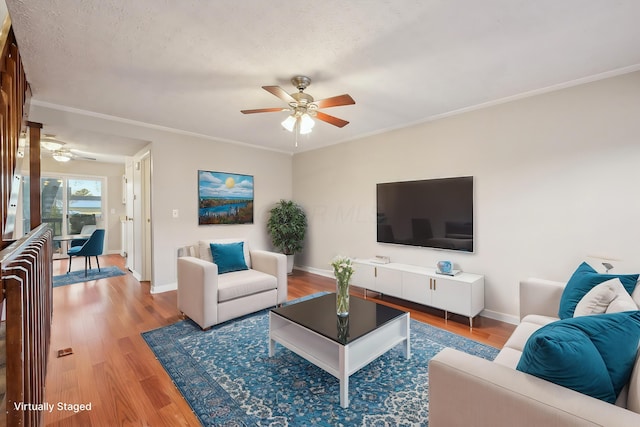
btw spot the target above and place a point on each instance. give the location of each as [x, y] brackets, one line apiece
[14, 91]
[25, 264]
[26, 269]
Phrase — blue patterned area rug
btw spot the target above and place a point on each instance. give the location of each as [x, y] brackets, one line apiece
[92, 274]
[227, 377]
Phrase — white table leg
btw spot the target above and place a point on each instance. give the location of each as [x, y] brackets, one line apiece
[272, 343]
[344, 376]
[407, 342]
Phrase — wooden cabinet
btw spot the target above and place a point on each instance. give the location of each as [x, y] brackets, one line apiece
[461, 294]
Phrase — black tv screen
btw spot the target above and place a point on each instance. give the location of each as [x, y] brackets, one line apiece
[434, 213]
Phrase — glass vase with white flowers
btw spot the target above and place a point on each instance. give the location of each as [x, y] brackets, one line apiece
[343, 270]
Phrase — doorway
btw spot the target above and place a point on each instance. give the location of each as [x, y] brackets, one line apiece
[137, 227]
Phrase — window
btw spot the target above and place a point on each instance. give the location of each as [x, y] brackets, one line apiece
[69, 203]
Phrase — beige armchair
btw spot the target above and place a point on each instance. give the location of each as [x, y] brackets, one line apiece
[209, 298]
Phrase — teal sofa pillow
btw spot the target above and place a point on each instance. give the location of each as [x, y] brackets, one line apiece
[593, 355]
[228, 256]
[581, 282]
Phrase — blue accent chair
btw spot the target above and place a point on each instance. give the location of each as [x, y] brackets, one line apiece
[92, 247]
[86, 230]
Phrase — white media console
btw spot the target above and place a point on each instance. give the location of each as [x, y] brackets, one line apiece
[460, 294]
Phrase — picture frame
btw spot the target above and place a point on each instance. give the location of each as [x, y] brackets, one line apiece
[224, 198]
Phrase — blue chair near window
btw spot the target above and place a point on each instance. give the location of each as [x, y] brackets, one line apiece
[86, 230]
[92, 247]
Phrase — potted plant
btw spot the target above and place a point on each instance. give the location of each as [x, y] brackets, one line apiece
[287, 226]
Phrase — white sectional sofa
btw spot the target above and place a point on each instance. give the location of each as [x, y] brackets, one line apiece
[465, 390]
[209, 298]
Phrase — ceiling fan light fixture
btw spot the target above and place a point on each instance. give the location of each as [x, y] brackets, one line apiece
[289, 123]
[50, 144]
[306, 124]
[61, 157]
[303, 107]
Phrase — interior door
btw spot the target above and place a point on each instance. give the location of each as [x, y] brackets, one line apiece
[128, 227]
[138, 215]
[146, 210]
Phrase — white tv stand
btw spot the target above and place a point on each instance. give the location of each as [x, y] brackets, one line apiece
[460, 294]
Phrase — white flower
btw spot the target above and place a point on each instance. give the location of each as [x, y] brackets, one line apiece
[342, 268]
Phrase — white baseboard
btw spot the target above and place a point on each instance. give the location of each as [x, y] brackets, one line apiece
[318, 271]
[164, 288]
[495, 315]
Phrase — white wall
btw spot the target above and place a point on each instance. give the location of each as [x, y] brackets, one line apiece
[556, 179]
[175, 180]
[175, 160]
[113, 173]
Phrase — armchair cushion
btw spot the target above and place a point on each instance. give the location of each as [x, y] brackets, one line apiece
[239, 284]
[204, 249]
[582, 281]
[228, 256]
[603, 346]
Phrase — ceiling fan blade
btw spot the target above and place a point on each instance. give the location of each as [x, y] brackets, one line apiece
[263, 110]
[280, 93]
[335, 101]
[331, 119]
[84, 157]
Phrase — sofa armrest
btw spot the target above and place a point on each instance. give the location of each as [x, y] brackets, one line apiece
[539, 296]
[466, 390]
[198, 290]
[274, 264]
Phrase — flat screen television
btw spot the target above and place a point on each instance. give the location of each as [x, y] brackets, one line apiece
[433, 213]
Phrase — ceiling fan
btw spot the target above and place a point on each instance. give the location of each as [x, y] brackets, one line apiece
[56, 148]
[303, 107]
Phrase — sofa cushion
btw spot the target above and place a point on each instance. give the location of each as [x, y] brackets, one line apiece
[508, 357]
[521, 334]
[636, 295]
[204, 249]
[607, 297]
[621, 304]
[242, 283]
[512, 350]
[593, 355]
[582, 281]
[538, 319]
[228, 256]
[633, 394]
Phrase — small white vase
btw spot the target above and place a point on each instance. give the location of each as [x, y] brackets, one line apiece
[290, 264]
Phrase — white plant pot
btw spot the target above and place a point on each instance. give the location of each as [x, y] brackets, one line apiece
[290, 264]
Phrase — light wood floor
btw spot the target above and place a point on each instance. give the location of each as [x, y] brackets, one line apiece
[114, 370]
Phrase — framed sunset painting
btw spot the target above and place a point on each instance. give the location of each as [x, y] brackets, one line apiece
[224, 198]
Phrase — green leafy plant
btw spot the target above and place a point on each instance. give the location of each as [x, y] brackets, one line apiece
[287, 226]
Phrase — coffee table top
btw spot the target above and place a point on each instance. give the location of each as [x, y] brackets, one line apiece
[319, 315]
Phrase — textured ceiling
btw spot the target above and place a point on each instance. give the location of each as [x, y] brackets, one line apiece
[192, 65]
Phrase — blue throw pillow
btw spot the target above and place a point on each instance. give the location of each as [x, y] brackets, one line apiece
[581, 282]
[228, 256]
[593, 355]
